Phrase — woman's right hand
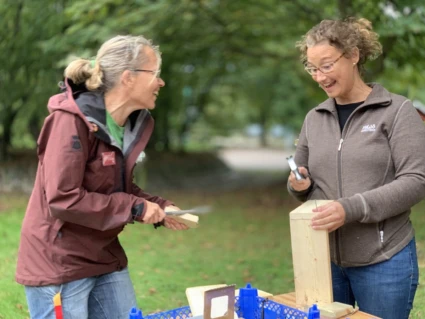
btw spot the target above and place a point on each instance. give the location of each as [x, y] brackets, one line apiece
[153, 214]
[302, 184]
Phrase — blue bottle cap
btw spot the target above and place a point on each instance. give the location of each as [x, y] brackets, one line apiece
[248, 291]
[135, 314]
[313, 312]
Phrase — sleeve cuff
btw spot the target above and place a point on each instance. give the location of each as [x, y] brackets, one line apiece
[137, 212]
[354, 208]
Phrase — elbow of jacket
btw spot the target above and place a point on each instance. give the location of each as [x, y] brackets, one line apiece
[63, 202]
[56, 211]
[58, 208]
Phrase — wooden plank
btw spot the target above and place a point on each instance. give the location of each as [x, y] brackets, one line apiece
[195, 297]
[289, 300]
[191, 221]
[310, 257]
[219, 303]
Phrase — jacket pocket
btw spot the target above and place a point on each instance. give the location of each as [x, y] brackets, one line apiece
[99, 178]
[55, 237]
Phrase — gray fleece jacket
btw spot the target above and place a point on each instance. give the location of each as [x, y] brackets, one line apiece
[375, 168]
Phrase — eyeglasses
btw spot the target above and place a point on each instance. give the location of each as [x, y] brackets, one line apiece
[157, 73]
[325, 68]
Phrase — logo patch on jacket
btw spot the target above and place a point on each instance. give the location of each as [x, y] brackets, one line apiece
[76, 143]
[369, 128]
[108, 158]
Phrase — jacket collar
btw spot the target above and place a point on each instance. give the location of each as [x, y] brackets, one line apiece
[91, 107]
[378, 97]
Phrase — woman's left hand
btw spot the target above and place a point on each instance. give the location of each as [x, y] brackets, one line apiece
[329, 217]
[170, 222]
[173, 224]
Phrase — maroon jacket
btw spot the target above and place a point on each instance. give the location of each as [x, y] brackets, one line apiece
[84, 193]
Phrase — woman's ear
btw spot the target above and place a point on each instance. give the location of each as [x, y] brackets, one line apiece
[355, 55]
[127, 79]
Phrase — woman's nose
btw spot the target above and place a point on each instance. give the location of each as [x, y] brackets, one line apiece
[319, 76]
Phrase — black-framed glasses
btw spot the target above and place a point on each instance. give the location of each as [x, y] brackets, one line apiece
[157, 73]
[325, 68]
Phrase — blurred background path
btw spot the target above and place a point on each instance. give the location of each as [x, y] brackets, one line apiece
[224, 170]
[258, 159]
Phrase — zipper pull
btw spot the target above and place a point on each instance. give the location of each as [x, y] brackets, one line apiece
[340, 144]
[381, 233]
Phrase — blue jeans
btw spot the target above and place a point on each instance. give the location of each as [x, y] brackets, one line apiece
[385, 289]
[108, 296]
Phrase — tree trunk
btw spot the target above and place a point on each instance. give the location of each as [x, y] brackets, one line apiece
[6, 139]
[34, 127]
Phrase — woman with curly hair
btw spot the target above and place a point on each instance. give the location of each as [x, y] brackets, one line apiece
[362, 148]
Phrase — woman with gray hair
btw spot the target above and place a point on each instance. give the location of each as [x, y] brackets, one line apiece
[362, 148]
[70, 259]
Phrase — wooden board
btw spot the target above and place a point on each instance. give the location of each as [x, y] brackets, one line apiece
[195, 297]
[191, 221]
[219, 303]
[310, 257]
[289, 300]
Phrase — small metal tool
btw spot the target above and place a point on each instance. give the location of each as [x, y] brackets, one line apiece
[195, 210]
[294, 168]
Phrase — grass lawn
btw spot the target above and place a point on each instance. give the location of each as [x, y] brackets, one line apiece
[246, 239]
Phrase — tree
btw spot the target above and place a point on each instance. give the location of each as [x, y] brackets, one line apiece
[27, 74]
[225, 63]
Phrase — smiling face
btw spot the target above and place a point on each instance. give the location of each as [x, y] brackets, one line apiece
[145, 85]
[340, 81]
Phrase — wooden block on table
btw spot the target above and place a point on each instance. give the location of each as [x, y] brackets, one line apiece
[219, 303]
[195, 297]
[289, 300]
[336, 310]
[311, 257]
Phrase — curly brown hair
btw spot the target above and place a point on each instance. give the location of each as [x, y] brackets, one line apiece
[344, 35]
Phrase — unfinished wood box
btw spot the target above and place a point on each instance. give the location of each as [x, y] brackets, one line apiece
[310, 257]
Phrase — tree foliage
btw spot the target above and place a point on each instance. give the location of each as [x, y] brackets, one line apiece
[225, 63]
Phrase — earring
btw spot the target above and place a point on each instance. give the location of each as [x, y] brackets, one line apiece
[354, 63]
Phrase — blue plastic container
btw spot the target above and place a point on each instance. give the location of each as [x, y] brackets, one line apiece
[135, 313]
[313, 312]
[247, 305]
[248, 302]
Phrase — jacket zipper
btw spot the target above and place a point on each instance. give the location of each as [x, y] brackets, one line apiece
[381, 231]
[338, 253]
[122, 173]
[341, 141]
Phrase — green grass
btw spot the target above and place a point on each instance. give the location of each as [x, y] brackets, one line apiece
[245, 239]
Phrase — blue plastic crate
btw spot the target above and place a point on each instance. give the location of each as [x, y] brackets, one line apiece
[267, 309]
[178, 313]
